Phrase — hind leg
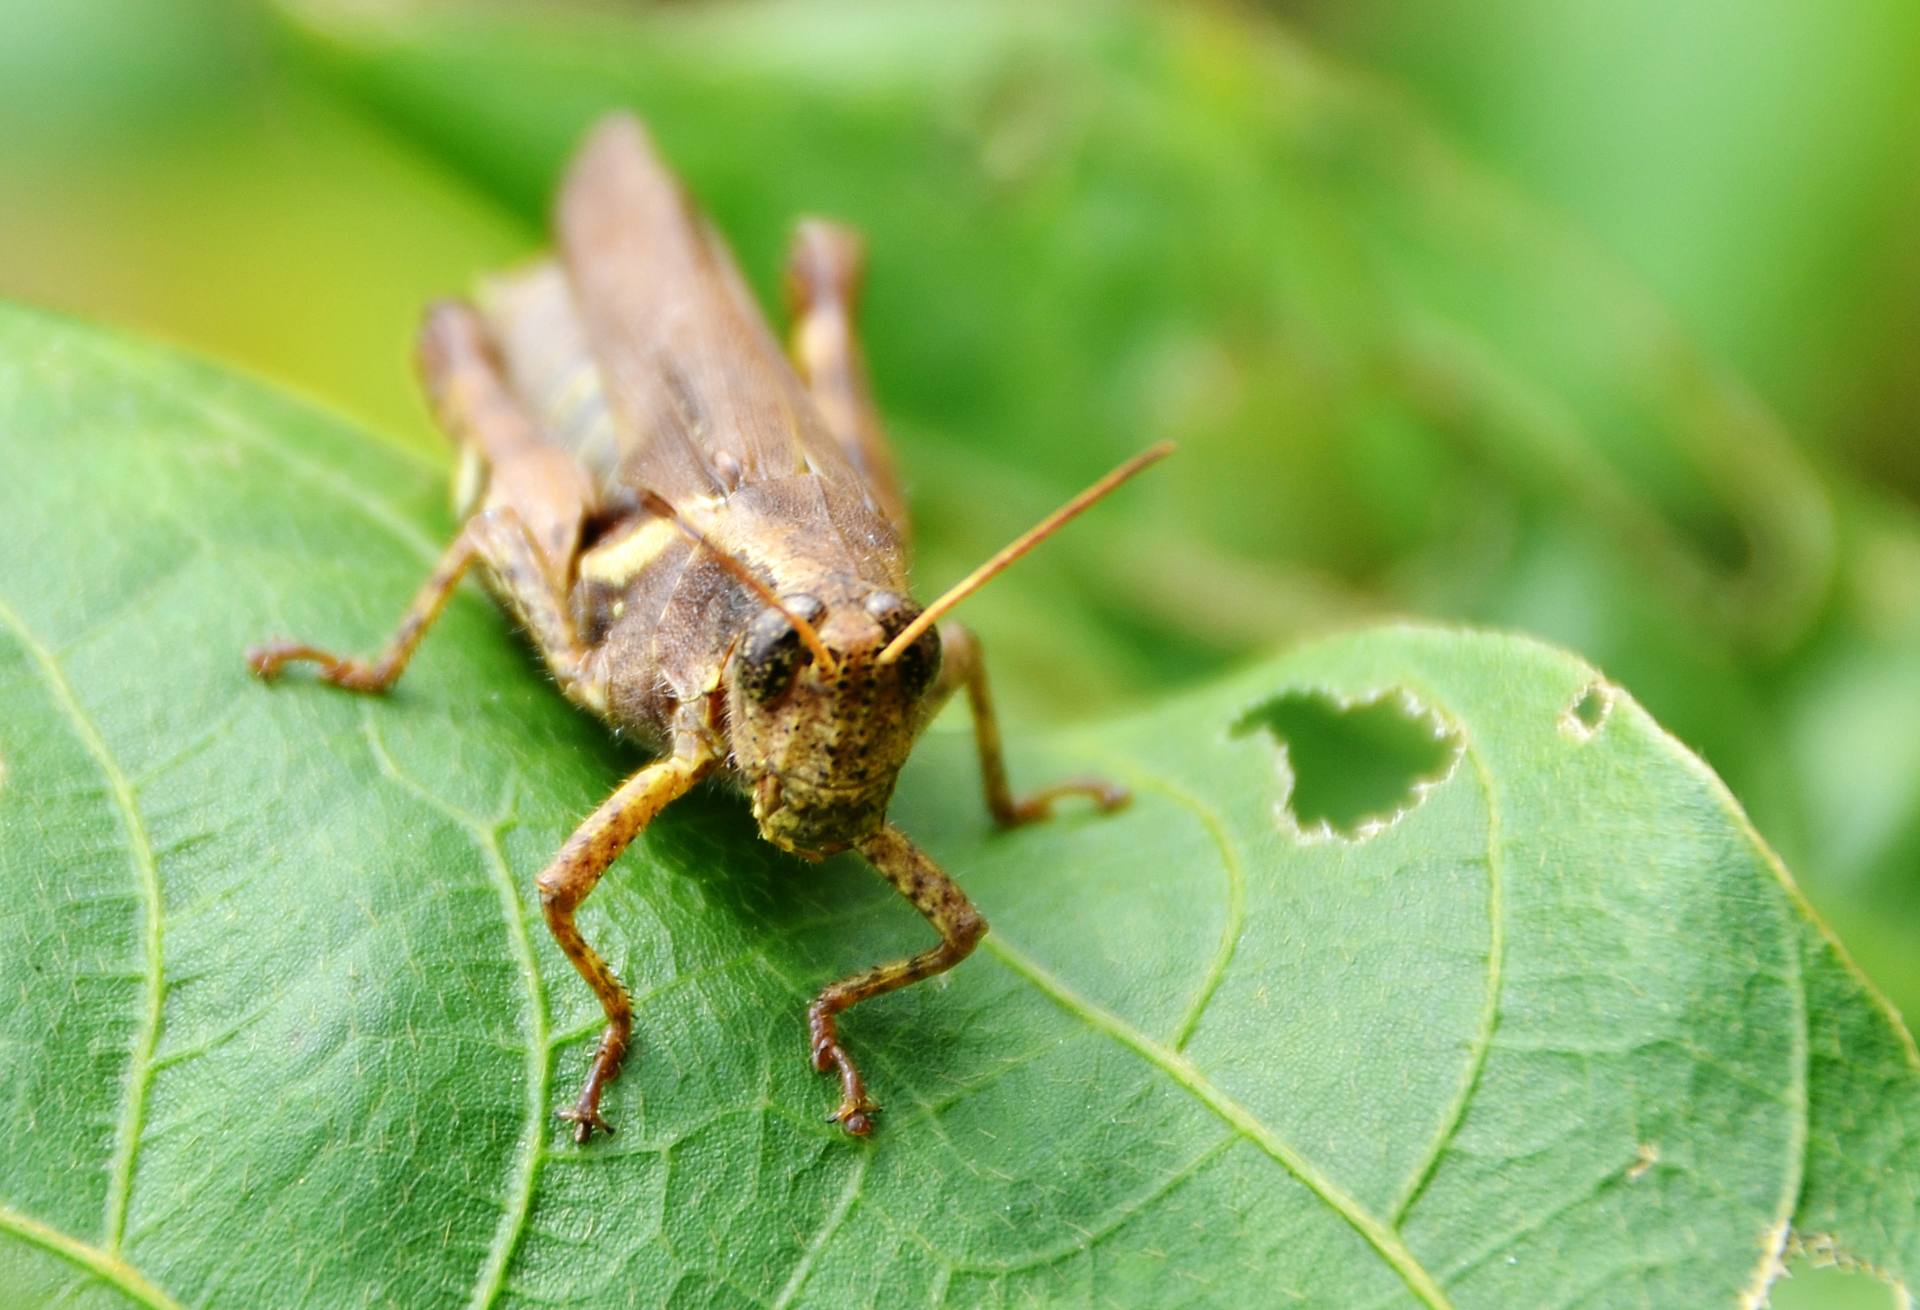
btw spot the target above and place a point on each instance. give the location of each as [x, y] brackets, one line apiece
[825, 268]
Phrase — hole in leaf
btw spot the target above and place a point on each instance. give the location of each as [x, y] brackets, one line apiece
[1350, 769]
[1589, 711]
[1816, 1279]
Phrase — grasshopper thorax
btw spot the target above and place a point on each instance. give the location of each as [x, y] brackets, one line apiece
[820, 747]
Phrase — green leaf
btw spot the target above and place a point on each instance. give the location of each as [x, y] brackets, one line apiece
[1546, 1023]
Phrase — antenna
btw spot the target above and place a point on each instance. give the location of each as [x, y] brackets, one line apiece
[654, 503]
[1019, 546]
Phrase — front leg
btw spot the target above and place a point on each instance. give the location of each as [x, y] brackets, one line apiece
[566, 882]
[961, 666]
[947, 908]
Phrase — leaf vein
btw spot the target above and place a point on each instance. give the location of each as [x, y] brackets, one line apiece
[104, 1265]
[140, 850]
[1235, 926]
[803, 1267]
[1423, 1173]
[532, 1148]
[1800, 1094]
[1184, 1073]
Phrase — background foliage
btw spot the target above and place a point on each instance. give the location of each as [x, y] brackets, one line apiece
[1644, 396]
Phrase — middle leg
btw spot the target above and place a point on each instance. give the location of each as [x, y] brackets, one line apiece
[961, 666]
[497, 538]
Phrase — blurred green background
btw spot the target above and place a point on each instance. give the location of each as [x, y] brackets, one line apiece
[1590, 318]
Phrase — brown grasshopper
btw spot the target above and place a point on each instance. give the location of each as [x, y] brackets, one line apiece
[708, 545]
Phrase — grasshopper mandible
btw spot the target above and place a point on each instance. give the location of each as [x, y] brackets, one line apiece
[707, 543]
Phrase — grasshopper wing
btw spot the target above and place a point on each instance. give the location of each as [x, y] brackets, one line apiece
[698, 387]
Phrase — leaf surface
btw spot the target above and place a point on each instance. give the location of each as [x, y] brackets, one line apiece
[285, 1026]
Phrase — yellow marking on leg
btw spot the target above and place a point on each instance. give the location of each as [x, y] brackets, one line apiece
[469, 481]
[578, 404]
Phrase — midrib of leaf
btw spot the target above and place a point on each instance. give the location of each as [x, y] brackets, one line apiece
[104, 1265]
[133, 1109]
[533, 1138]
[1185, 1074]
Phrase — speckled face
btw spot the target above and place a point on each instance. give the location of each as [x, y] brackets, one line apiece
[821, 752]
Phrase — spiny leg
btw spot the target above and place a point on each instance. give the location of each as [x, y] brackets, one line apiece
[379, 673]
[947, 908]
[825, 268]
[567, 881]
[961, 665]
[526, 533]
[495, 536]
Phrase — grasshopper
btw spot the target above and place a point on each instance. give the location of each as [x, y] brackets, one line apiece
[707, 543]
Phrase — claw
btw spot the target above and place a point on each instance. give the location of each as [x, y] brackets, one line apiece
[856, 1110]
[1107, 797]
[264, 661]
[267, 661]
[855, 1116]
[584, 1119]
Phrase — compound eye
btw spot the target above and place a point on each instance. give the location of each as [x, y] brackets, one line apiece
[918, 663]
[772, 652]
[894, 612]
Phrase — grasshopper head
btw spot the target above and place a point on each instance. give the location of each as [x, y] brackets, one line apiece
[826, 693]
[821, 747]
